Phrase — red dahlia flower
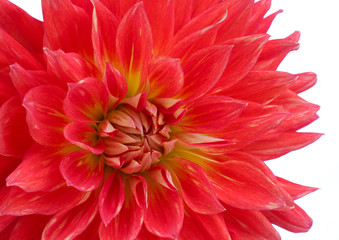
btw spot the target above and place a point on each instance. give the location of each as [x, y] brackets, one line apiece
[148, 119]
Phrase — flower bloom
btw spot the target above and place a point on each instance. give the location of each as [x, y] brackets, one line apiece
[150, 119]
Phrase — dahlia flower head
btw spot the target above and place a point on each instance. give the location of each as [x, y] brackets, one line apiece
[145, 120]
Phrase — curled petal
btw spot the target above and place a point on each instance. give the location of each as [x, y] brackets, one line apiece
[38, 164]
[294, 220]
[84, 136]
[115, 82]
[303, 82]
[86, 101]
[45, 115]
[139, 188]
[14, 135]
[83, 170]
[111, 198]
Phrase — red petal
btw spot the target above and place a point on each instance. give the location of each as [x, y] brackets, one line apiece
[238, 65]
[266, 22]
[196, 140]
[20, 25]
[160, 219]
[295, 190]
[12, 52]
[238, 15]
[200, 6]
[294, 220]
[115, 82]
[211, 114]
[202, 70]
[162, 176]
[29, 227]
[71, 32]
[161, 11]
[111, 198]
[202, 227]
[104, 29]
[8, 89]
[73, 221]
[17, 202]
[84, 136]
[24, 80]
[249, 224]
[182, 13]
[166, 77]
[213, 15]
[67, 67]
[285, 143]
[139, 188]
[261, 86]
[7, 165]
[86, 101]
[14, 135]
[38, 171]
[45, 116]
[303, 82]
[144, 234]
[83, 170]
[134, 47]
[5, 221]
[196, 188]
[275, 51]
[127, 224]
[259, 10]
[242, 185]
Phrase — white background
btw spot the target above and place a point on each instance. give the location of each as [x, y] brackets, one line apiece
[316, 165]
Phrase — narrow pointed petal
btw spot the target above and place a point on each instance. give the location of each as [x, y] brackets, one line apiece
[295, 190]
[38, 164]
[275, 51]
[82, 170]
[13, 52]
[161, 11]
[160, 219]
[267, 22]
[245, 223]
[202, 71]
[71, 32]
[14, 136]
[294, 220]
[24, 80]
[261, 86]
[199, 115]
[285, 143]
[73, 221]
[182, 13]
[84, 136]
[104, 30]
[29, 227]
[259, 10]
[238, 65]
[139, 188]
[166, 77]
[111, 198]
[303, 82]
[242, 185]
[67, 67]
[213, 15]
[45, 115]
[115, 82]
[127, 224]
[203, 226]
[20, 25]
[196, 188]
[134, 46]
[197, 140]
[86, 101]
[17, 202]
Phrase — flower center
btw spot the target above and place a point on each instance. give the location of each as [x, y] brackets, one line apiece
[137, 139]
